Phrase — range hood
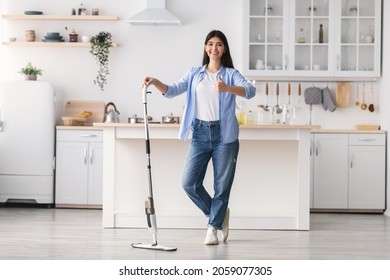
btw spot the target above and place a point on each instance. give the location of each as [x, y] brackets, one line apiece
[154, 14]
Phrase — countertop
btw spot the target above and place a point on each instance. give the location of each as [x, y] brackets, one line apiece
[314, 128]
[68, 127]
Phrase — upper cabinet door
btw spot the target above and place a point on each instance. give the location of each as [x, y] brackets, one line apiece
[266, 37]
[358, 38]
[312, 38]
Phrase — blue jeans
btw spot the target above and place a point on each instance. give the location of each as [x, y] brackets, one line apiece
[207, 144]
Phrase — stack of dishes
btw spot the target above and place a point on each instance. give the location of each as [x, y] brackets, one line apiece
[33, 12]
[53, 37]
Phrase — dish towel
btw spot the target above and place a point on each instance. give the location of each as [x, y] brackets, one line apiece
[313, 95]
[327, 100]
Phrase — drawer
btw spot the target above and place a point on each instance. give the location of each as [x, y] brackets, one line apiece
[367, 139]
[80, 135]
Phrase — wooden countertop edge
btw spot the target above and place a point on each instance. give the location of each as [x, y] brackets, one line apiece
[314, 128]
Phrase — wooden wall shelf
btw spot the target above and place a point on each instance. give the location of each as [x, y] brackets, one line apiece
[51, 44]
[58, 17]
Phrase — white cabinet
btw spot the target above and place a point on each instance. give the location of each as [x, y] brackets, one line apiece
[358, 38]
[283, 37]
[310, 54]
[349, 171]
[330, 171]
[367, 157]
[79, 168]
[266, 37]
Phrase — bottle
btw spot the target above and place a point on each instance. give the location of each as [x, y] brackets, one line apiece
[260, 115]
[250, 118]
[321, 35]
[241, 112]
[301, 38]
[82, 10]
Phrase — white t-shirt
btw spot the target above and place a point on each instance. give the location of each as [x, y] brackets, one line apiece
[207, 99]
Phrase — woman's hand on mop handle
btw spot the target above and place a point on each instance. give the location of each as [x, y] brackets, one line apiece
[163, 88]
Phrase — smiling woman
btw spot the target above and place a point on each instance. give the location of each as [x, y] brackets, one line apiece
[210, 114]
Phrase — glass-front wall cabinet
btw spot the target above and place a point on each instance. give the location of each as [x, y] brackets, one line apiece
[267, 37]
[312, 38]
[359, 38]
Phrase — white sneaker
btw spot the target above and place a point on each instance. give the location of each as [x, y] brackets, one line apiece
[225, 225]
[211, 236]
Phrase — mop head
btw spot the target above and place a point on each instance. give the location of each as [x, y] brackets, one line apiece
[152, 247]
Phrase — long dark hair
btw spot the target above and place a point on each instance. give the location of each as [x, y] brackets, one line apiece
[226, 59]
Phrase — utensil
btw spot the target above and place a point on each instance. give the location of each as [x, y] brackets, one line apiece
[364, 105]
[371, 106]
[288, 114]
[279, 109]
[266, 107]
[170, 119]
[357, 103]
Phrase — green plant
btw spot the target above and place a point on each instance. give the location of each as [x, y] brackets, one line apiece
[30, 70]
[100, 45]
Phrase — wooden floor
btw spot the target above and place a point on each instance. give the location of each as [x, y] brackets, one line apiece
[71, 234]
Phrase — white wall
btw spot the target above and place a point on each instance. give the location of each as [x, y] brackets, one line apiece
[166, 52]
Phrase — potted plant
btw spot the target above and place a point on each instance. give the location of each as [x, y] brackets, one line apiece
[100, 45]
[30, 72]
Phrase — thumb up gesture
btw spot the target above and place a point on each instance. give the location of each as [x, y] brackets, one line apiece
[220, 85]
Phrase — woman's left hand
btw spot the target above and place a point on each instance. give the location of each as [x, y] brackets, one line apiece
[220, 85]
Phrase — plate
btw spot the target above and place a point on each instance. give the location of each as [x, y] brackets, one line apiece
[33, 13]
[51, 40]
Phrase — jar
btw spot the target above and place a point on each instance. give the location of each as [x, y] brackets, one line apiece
[73, 36]
[30, 35]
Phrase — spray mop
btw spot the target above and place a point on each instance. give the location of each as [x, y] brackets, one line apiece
[149, 202]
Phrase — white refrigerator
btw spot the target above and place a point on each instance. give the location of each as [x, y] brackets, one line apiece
[27, 131]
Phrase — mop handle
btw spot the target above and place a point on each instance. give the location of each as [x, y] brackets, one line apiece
[146, 117]
[147, 141]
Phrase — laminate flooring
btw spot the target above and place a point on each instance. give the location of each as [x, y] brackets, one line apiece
[77, 234]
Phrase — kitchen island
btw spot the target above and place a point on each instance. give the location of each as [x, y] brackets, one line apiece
[271, 189]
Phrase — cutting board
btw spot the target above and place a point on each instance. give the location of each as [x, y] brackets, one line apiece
[74, 107]
[342, 94]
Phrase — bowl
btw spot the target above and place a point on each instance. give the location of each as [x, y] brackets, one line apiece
[170, 119]
[53, 34]
[12, 39]
[85, 39]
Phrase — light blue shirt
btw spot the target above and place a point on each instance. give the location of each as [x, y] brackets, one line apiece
[227, 101]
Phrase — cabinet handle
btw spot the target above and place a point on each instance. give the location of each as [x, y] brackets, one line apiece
[351, 163]
[91, 156]
[286, 63]
[85, 156]
[317, 147]
[366, 139]
[88, 135]
[311, 147]
[1, 123]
